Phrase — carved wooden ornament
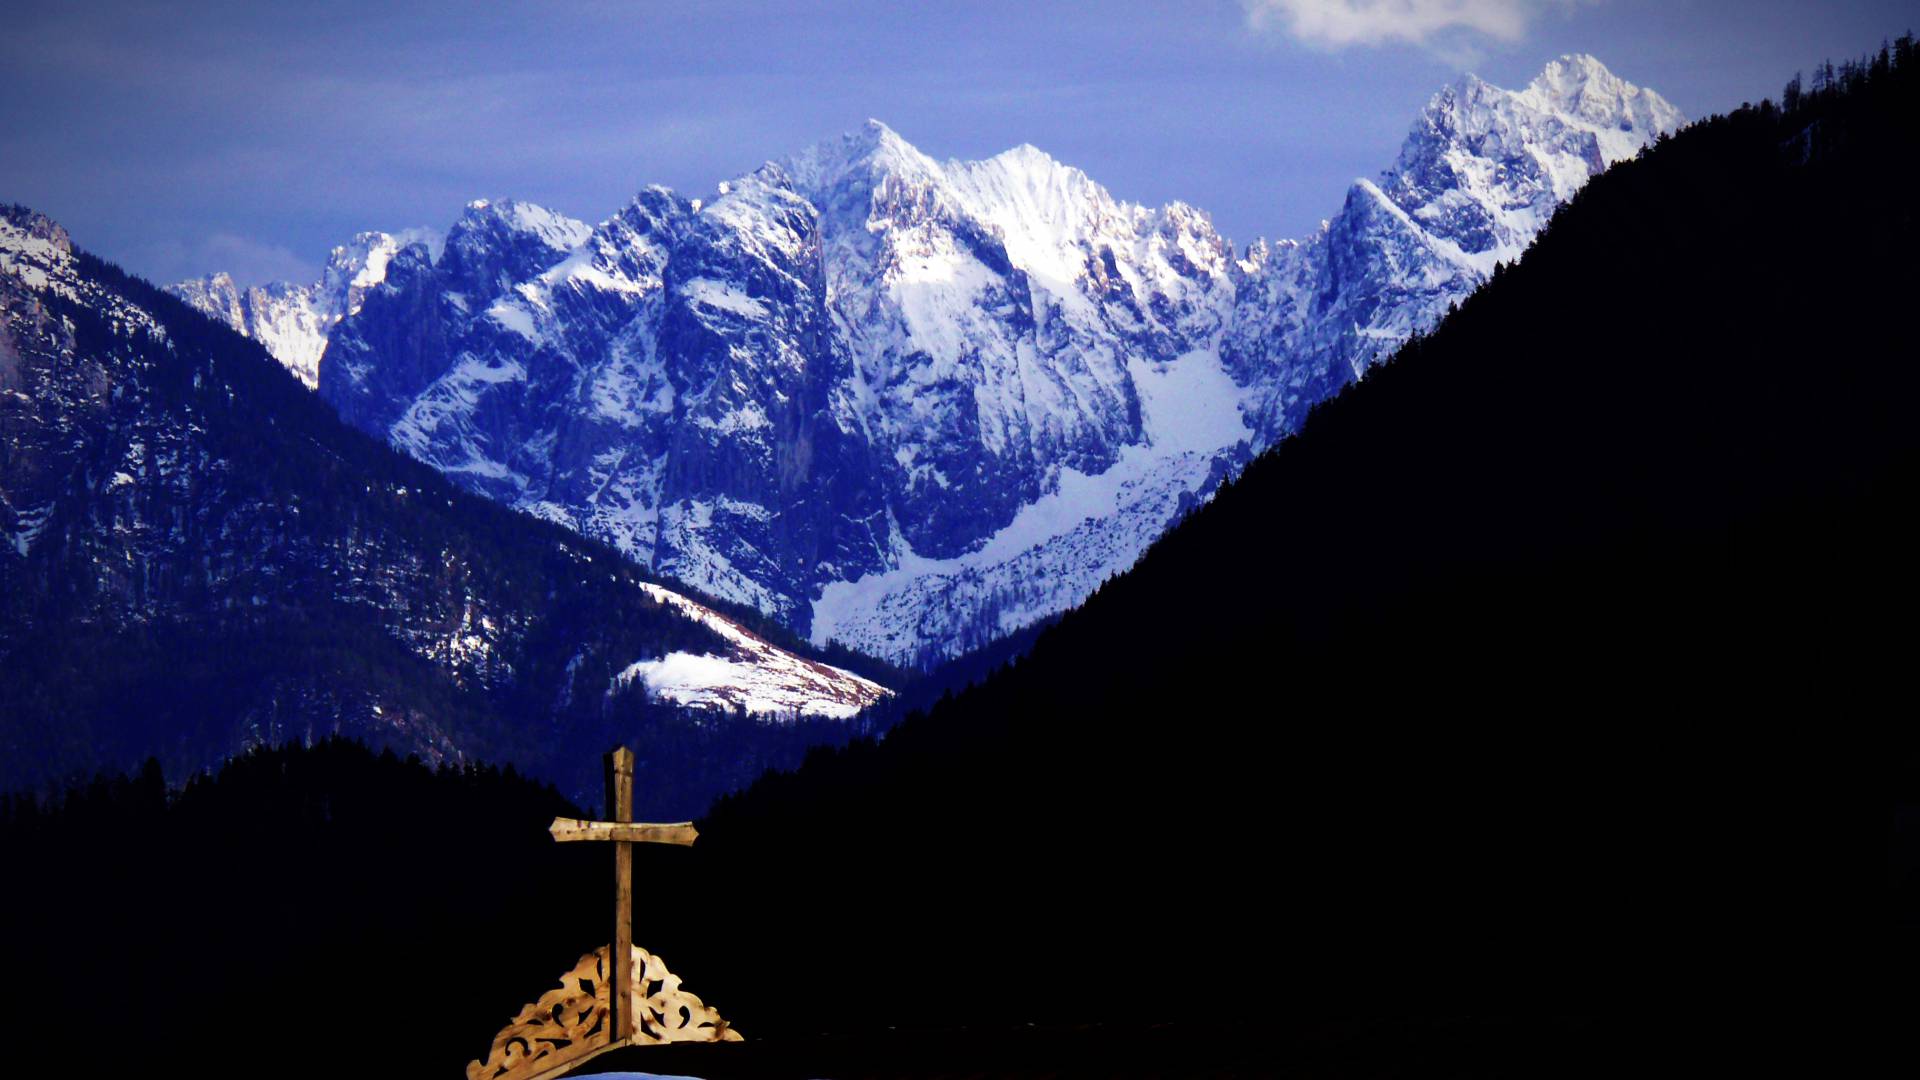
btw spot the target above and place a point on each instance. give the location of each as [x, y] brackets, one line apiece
[581, 1019]
[571, 1024]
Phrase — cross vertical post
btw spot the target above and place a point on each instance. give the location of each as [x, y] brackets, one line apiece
[620, 810]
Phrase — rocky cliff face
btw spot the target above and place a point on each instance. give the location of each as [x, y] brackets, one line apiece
[912, 405]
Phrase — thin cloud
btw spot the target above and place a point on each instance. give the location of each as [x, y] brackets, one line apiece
[1339, 24]
[254, 263]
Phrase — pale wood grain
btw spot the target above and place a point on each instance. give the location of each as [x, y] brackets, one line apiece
[568, 830]
[620, 809]
[569, 1026]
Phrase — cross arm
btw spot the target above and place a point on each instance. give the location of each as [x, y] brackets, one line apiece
[566, 829]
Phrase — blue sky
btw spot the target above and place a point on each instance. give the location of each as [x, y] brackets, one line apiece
[180, 138]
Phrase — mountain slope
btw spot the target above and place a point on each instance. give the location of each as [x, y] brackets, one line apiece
[912, 406]
[200, 557]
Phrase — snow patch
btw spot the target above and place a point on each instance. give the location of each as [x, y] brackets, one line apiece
[515, 318]
[720, 295]
[756, 678]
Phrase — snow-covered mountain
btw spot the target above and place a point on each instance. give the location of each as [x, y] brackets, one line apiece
[196, 556]
[912, 405]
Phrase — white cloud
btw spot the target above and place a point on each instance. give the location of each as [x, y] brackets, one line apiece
[1338, 24]
[252, 262]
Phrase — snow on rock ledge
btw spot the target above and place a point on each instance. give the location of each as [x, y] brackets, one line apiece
[757, 677]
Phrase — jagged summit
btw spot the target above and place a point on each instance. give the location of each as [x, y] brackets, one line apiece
[25, 224]
[913, 405]
[874, 153]
[1025, 157]
[38, 251]
[1575, 89]
[1484, 167]
[870, 152]
[1574, 77]
[498, 242]
[1580, 90]
[554, 229]
[1031, 168]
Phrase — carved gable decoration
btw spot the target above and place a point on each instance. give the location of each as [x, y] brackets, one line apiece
[572, 1023]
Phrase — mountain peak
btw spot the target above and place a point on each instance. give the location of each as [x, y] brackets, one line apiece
[1583, 62]
[1575, 90]
[1027, 156]
[1026, 176]
[33, 248]
[1574, 78]
[1578, 87]
[653, 205]
[21, 227]
[876, 134]
[871, 150]
[1466, 85]
[1449, 106]
[553, 229]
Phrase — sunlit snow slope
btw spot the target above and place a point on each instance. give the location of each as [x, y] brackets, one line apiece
[753, 676]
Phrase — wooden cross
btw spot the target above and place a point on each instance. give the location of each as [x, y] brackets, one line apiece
[623, 832]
